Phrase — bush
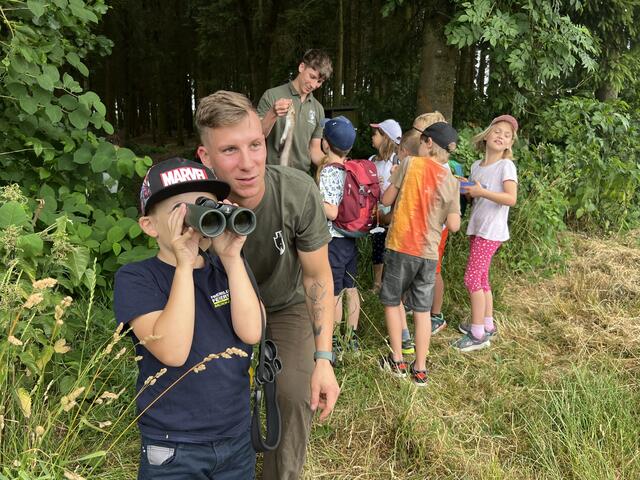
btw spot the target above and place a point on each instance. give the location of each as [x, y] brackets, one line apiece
[597, 146]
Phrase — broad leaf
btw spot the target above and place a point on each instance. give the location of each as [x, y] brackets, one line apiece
[12, 213]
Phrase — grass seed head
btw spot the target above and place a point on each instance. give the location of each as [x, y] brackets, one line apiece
[33, 300]
[44, 283]
[72, 476]
[61, 346]
[14, 341]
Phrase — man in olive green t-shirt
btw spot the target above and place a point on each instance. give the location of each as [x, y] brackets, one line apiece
[315, 67]
[289, 257]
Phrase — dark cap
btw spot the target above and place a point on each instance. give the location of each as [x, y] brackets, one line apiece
[339, 132]
[175, 176]
[442, 134]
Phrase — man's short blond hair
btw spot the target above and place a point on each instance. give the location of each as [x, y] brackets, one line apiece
[427, 119]
[222, 109]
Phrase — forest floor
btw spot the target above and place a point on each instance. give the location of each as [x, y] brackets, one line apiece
[555, 397]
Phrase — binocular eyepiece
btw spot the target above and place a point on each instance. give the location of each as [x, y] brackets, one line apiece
[210, 218]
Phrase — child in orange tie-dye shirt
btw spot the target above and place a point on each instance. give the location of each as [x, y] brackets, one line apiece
[426, 196]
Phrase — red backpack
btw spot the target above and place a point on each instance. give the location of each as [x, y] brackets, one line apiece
[357, 211]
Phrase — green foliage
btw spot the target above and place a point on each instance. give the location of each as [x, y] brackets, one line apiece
[58, 377]
[50, 128]
[532, 46]
[596, 145]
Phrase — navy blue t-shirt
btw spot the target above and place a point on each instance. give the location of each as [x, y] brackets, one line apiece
[204, 406]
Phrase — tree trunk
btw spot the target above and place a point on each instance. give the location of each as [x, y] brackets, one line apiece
[438, 65]
[339, 62]
[351, 51]
[482, 71]
[606, 91]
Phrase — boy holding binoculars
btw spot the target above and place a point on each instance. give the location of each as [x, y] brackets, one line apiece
[181, 307]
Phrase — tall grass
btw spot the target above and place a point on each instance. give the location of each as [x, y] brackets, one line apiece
[585, 426]
[556, 397]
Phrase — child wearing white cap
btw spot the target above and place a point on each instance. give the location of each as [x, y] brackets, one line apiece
[385, 138]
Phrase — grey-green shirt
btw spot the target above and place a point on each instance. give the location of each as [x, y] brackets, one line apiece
[289, 217]
[309, 116]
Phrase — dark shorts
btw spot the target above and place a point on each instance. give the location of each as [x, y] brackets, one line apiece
[343, 257]
[377, 247]
[228, 459]
[414, 276]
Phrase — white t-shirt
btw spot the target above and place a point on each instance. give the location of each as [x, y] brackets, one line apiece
[384, 170]
[384, 174]
[331, 187]
[489, 219]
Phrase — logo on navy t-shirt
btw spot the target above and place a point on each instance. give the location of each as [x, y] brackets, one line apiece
[221, 298]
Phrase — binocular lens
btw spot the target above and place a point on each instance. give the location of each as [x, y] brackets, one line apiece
[211, 218]
[208, 221]
[242, 221]
[212, 223]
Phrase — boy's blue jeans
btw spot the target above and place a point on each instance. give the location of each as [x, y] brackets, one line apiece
[229, 459]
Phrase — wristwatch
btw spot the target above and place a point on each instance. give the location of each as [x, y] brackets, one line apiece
[320, 355]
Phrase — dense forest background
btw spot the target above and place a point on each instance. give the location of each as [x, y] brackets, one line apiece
[392, 58]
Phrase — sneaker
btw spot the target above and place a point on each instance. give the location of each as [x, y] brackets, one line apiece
[354, 344]
[408, 347]
[438, 323]
[469, 343]
[465, 328]
[398, 369]
[419, 377]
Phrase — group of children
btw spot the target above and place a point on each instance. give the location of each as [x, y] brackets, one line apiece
[422, 191]
[170, 301]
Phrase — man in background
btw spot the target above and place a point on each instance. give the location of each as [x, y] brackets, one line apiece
[314, 68]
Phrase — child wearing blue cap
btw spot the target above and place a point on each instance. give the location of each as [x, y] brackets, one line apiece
[339, 136]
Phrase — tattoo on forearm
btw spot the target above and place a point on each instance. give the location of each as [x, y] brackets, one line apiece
[315, 294]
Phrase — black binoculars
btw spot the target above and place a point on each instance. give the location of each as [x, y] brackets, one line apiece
[210, 218]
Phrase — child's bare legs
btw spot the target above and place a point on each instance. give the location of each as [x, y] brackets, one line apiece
[394, 328]
[377, 276]
[337, 315]
[438, 295]
[353, 308]
[403, 317]
[422, 322]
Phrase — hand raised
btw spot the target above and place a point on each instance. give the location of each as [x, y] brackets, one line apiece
[229, 244]
[184, 240]
[281, 106]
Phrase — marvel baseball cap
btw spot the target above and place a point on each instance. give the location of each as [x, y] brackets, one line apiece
[391, 128]
[339, 132]
[176, 176]
[442, 134]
